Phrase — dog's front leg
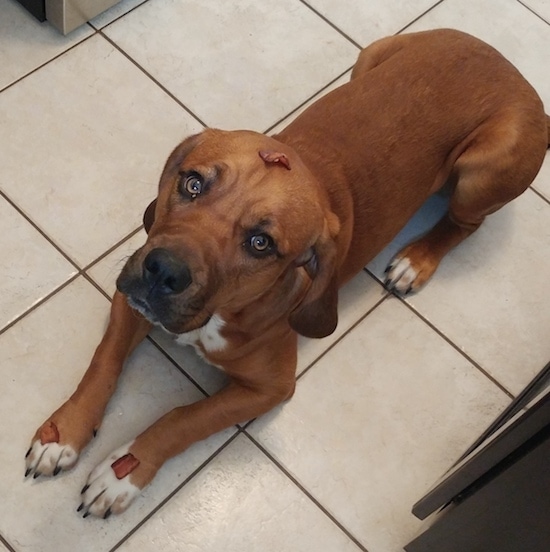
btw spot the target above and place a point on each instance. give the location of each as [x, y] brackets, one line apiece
[58, 442]
[114, 483]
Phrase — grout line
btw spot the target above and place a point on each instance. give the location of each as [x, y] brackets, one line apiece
[448, 340]
[116, 18]
[419, 17]
[332, 345]
[112, 248]
[48, 61]
[347, 37]
[269, 129]
[79, 271]
[533, 12]
[40, 231]
[147, 74]
[39, 303]
[347, 332]
[305, 492]
[174, 492]
[94, 284]
[454, 346]
[331, 24]
[179, 368]
[152, 341]
[6, 544]
[539, 194]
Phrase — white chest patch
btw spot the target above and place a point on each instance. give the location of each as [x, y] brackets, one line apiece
[208, 336]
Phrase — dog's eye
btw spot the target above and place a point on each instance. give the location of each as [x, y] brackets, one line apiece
[260, 244]
[191, 185]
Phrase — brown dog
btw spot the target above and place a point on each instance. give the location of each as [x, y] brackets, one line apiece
[250, 236]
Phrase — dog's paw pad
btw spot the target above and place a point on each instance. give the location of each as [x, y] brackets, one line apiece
[49, 458]
[401, 276]
[109, 489]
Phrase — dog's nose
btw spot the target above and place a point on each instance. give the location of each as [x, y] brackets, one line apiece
[164, 273]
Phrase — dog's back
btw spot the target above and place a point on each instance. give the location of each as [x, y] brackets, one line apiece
[415, 104]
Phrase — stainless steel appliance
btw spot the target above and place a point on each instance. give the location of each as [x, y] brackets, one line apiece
[67, 15]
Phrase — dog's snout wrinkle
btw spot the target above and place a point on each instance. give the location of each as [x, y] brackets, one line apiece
[164, 273]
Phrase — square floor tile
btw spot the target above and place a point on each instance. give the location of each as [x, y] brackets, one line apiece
[522, 37]
[489, 294]
[45, 356]
[240, 502]
[366, 22]
[31, 268]
[83, 163]
[263, 60]
[25, 43]
[378, 420]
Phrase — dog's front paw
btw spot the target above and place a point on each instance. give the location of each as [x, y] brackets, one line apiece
[47, 455]
[114, 484]
[58, 442]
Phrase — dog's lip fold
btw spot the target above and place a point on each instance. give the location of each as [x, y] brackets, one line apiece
[142, 307]
[141, 303]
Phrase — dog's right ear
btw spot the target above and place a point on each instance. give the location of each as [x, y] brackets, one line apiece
[149, 215]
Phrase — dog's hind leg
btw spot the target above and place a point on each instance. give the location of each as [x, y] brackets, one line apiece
[500, 160]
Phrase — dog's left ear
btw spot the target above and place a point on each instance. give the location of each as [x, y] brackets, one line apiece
[149, 215]
[317, 314]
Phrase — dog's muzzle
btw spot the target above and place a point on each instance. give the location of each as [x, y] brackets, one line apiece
[152, 285]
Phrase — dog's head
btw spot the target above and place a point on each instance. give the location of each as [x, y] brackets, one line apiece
[239, 222]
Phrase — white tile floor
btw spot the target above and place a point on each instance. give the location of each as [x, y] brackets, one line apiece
[86, 122]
